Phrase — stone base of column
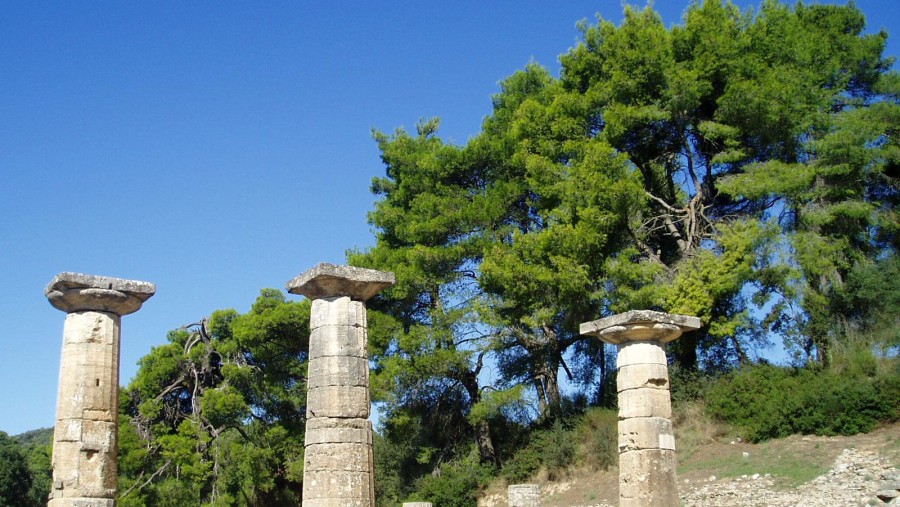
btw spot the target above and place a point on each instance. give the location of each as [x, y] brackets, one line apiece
[331, 488]
[524, 495]
[417, 504]
[647, 478]
[81, 502]
[338, 463]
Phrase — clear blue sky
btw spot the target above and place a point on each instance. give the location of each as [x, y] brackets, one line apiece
[216, 148]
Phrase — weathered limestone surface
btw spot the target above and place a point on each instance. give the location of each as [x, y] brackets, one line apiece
[646, 439]
[417, 504]
[339, 464]
[329, 280]
[524, 495]
[647, 478]
[86, 433]
[640, 325]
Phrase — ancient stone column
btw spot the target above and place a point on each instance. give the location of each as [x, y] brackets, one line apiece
[85, 440]
[646, 439]
[338, 462]
[523, 495]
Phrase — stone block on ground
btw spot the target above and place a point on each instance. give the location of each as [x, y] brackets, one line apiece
[524, 495]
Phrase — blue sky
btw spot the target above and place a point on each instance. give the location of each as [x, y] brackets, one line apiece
[216, 148]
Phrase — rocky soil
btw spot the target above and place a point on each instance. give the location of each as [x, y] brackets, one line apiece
[863, 473]
[857, 478]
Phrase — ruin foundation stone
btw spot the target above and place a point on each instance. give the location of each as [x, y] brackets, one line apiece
[85, 440]
[417, 504]
[523, 495]
[646, 439]
[338, 463]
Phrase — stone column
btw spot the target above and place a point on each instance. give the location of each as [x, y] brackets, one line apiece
[85, 440]
[523, 495]
[646, 439]
[338, 462]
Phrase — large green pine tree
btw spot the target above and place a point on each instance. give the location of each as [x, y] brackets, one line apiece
[737, 167]
[216, 416]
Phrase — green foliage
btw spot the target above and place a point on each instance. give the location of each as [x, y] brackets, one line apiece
[739, 167]
[766, 401]
[589, 439]
[599, 436]
[36, 447]
[688, 385]
[493, 403]
[15, 479]
[455, 484]
[215, 417]
[557, 448]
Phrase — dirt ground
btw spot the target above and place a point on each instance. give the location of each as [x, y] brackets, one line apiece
[790, 462]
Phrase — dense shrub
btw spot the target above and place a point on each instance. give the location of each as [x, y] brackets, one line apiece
[557, 448]
[765, 401]
[688, 384]
[590, 439]
[457, 483]
[552, 449]
[522, 465]
[598, 433]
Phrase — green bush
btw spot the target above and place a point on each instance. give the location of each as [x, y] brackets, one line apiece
[552, 448]
[598, 431]
[766, 401]
[521, 466]
[557, 447]
[687, 384]
[457, 484]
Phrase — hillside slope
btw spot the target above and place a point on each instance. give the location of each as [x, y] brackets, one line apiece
[798, 470]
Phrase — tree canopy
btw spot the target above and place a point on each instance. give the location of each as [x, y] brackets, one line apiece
[15, 479]
[741, 167]
[216, 416]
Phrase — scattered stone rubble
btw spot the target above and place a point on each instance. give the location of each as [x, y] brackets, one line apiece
[859, 478]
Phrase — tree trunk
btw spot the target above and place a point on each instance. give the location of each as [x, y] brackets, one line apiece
[541, 396]
[684, 350]
[486, 450]
[551, 386]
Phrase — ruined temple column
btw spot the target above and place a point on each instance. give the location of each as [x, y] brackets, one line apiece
[646, 439]
[523, 495]
[85, 440]
[338, 462]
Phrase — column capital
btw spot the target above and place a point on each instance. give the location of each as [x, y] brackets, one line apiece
[640, 325]
[331, 280]
[73, 292]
